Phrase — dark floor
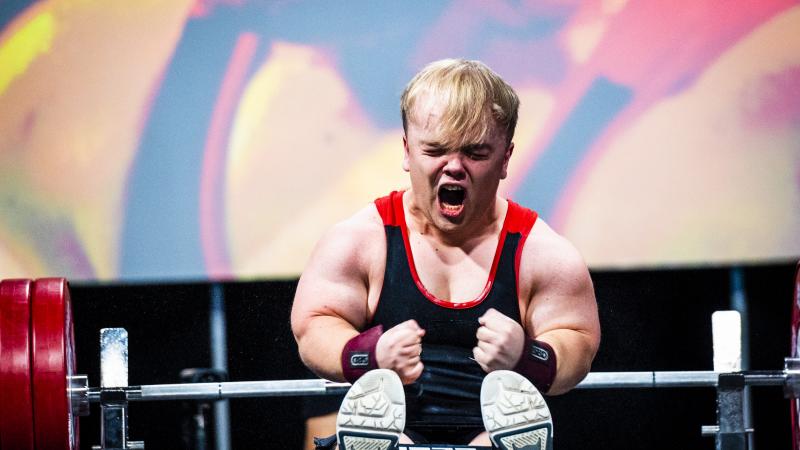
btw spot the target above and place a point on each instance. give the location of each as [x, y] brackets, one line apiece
[652, 320]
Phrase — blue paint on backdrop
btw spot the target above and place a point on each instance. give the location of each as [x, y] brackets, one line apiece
[161, 228]
[545, 181]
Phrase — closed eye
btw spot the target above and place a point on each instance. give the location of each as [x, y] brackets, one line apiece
[477, 151]
[433, 151]
[480, 155]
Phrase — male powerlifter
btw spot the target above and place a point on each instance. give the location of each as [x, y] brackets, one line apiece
[466, 299]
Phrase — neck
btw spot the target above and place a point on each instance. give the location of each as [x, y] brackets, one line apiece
[488, 222]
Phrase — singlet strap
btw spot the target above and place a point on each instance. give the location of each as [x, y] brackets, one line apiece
[387, 208]
[519, 220]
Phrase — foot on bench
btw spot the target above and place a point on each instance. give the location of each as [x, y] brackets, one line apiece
[373, 413]
[515, 413]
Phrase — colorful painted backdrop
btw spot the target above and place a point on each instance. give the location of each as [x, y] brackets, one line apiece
[193, 139]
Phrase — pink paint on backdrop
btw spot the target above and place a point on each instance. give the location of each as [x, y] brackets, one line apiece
[212, 207]
[632, 53]
[773, 101]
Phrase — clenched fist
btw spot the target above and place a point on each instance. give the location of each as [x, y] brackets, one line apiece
[500, 341]
[400, 348]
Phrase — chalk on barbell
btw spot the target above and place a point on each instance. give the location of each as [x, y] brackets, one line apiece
[726, 328]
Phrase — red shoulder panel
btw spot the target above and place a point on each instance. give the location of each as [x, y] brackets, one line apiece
[388, 208]
[520, 219]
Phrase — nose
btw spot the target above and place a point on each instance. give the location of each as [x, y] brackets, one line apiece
[454, 167]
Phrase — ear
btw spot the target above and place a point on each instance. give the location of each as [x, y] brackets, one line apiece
[506, 158]
[405, 154]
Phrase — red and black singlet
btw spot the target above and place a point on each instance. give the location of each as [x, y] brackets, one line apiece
[447, 392]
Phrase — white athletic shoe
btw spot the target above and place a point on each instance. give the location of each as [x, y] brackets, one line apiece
[373, 413]
[514, 412]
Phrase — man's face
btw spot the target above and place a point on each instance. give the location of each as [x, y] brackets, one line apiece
[454, 187]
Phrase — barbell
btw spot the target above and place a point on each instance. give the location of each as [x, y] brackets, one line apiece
[37, 360]
[43, 396]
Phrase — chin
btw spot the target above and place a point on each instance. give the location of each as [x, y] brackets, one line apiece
[447, 223]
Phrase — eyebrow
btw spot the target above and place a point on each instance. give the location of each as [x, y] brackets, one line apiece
[477, 146]
[468, 147]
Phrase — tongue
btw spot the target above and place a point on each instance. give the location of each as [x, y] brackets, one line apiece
[451, 197]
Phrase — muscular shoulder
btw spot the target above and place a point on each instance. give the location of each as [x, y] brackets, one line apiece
[353, 242]
[336, 281]
[550, 261]
[367, 220]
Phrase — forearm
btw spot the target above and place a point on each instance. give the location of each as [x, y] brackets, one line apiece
[575, 351]
[320, 345]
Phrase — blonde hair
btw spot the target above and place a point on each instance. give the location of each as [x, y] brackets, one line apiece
[473, 94]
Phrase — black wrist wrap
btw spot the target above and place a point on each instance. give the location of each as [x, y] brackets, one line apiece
[537, 364]
[358, 355]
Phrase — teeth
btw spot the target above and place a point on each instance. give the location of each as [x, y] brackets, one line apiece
[452, 188]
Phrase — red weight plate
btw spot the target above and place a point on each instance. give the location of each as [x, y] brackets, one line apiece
[795, 403]
[53, 361]
[16, 408]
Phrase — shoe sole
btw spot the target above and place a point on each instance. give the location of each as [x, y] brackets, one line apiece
[515, 413]
[373, 413]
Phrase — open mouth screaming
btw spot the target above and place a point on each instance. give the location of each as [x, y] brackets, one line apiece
[451, 200]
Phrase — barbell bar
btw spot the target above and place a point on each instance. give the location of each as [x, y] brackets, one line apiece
[286, 388]
[44, 397]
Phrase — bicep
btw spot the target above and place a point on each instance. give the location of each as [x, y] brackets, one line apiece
[332, 290]
[564, 298]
